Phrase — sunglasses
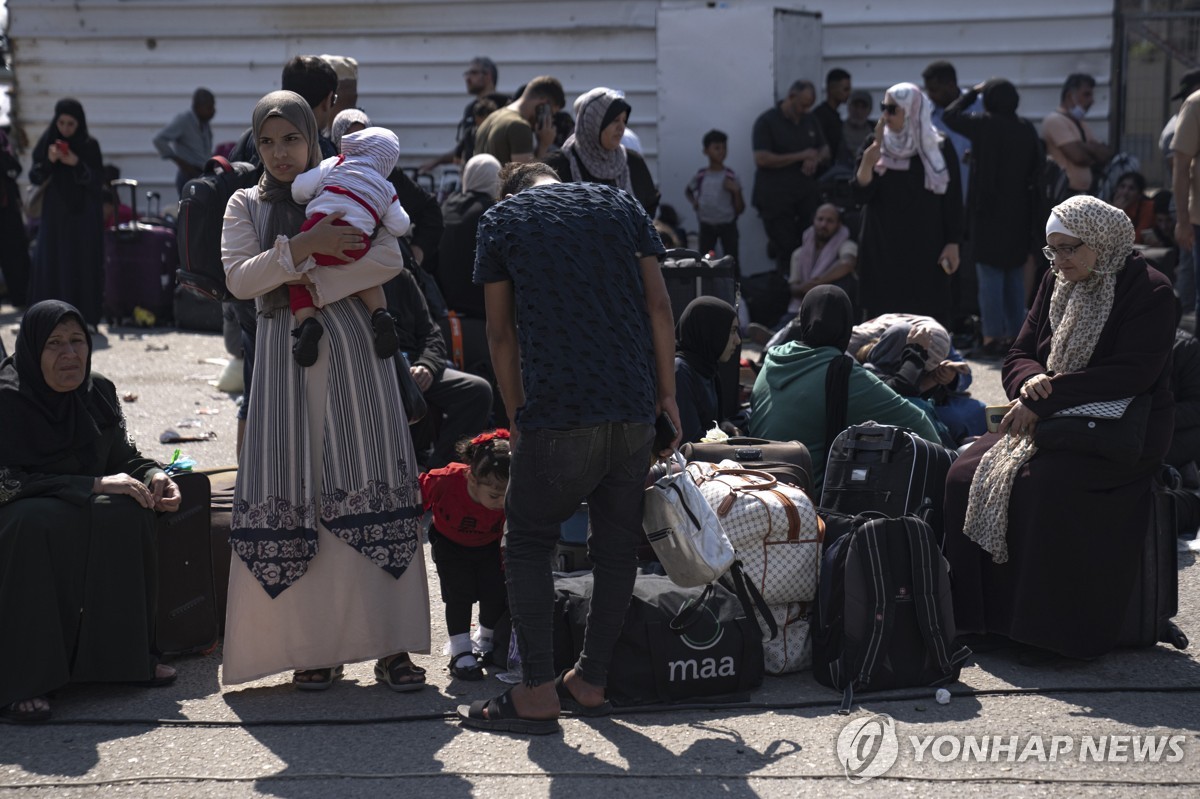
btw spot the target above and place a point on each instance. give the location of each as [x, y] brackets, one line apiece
[889, 108]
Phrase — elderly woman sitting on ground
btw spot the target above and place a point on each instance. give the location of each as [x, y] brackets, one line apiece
[78, 572]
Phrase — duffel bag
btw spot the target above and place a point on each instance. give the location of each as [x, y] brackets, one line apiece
[677, 644]
[773, 527]
[791, 649]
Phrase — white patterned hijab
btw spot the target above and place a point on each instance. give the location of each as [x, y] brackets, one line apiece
[1078, 313]
[591, 116]
[918, 137]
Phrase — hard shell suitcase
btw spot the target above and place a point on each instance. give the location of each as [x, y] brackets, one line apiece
[140, 259]
[788, 461]
[887, 469]
[1155, 598]
[187, 605]
[689, 275]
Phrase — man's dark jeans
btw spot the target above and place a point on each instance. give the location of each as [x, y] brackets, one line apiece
[552, 472]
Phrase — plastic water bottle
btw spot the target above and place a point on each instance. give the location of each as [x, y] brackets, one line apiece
[513, 675]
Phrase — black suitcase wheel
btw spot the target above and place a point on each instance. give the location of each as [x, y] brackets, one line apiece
[1175, 636]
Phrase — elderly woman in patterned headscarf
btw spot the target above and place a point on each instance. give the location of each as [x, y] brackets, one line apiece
[594, 153]
[1019, 518]
[908, 183]
[325, 521]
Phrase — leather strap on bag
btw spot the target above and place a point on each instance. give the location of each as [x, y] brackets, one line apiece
[793, 516]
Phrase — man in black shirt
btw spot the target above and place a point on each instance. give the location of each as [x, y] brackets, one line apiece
[480, 76]
[788, 149]
[837, 92]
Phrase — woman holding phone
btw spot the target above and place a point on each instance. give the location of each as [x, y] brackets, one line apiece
[908, 183]
[70, 243]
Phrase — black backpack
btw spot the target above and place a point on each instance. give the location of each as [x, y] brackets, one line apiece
[884, 614]
[201, 215]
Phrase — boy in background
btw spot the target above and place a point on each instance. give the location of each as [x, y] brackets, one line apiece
[716, 194]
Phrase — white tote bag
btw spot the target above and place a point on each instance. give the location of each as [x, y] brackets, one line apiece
[684, 530]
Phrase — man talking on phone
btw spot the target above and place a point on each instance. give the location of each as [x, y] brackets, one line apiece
[523, 130]
[584, 378]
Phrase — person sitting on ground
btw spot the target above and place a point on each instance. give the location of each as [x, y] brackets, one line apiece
[1130, 196]
[353, 189]
[77, 523]
[914, 357]
[1021, 517]
[826, 255]
[809, 390]
[594, 153]
[706, 337]
[467, 504]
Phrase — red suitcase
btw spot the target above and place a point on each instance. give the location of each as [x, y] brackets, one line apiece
[140, 259]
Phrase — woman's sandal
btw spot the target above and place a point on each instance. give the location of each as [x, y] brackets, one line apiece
[498, 714]
[472, 673]
[570, 704]
[401, 675]
[12, 714]
[324, 681]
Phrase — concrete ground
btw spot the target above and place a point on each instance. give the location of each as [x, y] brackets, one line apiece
[358, 739]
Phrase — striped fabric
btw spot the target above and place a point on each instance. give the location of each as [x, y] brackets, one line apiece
[363, 489]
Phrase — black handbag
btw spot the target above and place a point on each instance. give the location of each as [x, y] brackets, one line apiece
[415, 406]
[1098, 428]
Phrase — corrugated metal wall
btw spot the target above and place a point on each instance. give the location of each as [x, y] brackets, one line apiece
[134, 64]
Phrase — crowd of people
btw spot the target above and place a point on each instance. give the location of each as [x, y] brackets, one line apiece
[346, 272]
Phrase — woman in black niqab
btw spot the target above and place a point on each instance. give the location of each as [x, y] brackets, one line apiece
[704, 335]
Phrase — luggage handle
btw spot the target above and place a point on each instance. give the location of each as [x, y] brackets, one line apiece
[768, 483]
[132, 185]
[218, 162]
[690, 613]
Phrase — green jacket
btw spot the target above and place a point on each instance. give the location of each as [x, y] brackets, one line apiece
[788, 401]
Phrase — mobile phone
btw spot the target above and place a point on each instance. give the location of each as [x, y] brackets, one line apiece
[543, 114]
[994, 414]
[664, 433]
[62, 146]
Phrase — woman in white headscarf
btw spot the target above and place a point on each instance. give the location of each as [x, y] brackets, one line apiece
[460, 214]
[1044, 543]
[908, 182]
[594, 153]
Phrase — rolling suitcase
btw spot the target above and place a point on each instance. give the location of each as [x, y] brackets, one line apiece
[222, 482]
[689, 275]
[187, 606]
[1155, 598]
[887, 469]
[140, 259]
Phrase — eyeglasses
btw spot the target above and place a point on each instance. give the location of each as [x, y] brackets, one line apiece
[889, 108]
[1065, 251]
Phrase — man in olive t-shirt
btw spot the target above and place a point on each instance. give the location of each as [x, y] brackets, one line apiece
[508, 133]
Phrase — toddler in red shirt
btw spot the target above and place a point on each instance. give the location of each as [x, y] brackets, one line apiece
[467, 501]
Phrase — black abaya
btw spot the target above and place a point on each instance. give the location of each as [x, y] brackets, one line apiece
[904, 228]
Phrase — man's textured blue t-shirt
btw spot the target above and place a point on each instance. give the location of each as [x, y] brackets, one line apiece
[571, 251]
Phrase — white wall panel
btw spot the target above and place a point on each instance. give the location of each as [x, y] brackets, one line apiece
[135, 63]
